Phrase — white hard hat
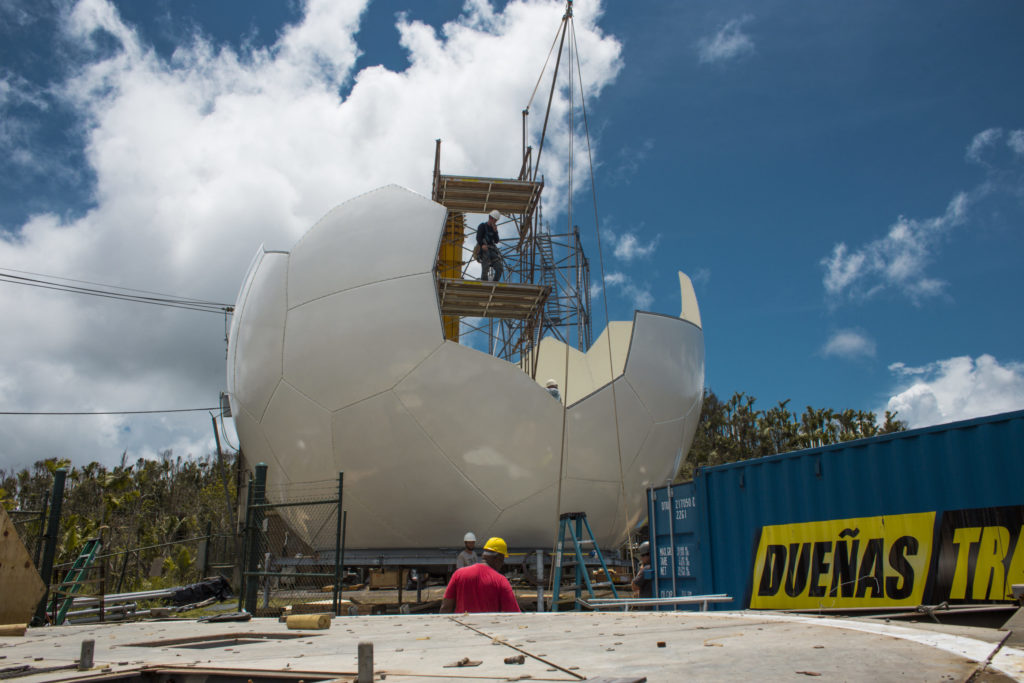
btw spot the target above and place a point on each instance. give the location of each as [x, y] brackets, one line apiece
[469, 537]
[495, 214]
[551, 383]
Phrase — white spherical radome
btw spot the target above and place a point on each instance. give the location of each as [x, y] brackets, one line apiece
[337, 362]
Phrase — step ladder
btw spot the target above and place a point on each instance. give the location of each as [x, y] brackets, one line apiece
[65, 593]
[575, 523]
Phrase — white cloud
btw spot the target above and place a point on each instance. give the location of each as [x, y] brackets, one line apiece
[16, 13]
[1015, 141]
[630, 159]
[849, 344]
[17, 93]
[897, 261]
[639, 295]
[701, 277]
[981, 142]
[201, 158]
[628, 247]
[957, 389]
[729, 43]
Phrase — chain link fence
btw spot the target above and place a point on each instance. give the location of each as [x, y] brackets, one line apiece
[293, 548]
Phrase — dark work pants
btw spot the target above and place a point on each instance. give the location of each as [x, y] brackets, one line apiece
[490, 258]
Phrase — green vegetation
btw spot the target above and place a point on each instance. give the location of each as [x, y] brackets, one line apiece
[735, 430]
[151, 514]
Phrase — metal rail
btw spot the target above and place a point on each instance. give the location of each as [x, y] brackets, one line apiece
[598, 604]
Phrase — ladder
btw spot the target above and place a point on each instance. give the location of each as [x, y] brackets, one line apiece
[65, 593]
[575, 523]
[548, 277]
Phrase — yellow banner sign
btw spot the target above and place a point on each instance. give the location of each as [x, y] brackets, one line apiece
[860, 562]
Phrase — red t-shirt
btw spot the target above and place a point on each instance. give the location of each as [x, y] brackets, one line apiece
[478, 588]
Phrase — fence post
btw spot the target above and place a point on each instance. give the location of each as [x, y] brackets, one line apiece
[42, 529]
[337, 549]
[50, 541]
[258, 499]
[205, 548]
[241, 559]
[540, 579]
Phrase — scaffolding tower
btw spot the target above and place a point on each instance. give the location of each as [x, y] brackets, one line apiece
[546, 286]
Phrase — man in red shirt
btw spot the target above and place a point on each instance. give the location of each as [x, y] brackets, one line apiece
[481, 587]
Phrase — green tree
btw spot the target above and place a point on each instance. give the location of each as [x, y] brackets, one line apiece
[138, 509]
[736, 430]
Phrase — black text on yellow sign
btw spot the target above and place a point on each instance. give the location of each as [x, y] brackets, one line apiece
[980, 555]
[859, 562]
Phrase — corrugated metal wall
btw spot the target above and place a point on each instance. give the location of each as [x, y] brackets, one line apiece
[676, 547]
[959, 466]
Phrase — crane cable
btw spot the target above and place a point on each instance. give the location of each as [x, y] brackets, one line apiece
[565, 399]
[565, 26]
[566, 20]
[604, 300]
[545, 67]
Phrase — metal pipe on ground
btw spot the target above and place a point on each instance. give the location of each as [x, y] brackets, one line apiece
[111, 617]
[115, 598]
[606, 603]
[108, 611]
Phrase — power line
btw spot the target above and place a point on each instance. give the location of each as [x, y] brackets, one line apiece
[107, 412]
[100, 284]
[124, 294]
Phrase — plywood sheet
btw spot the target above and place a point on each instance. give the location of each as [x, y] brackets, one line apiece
[22, 587]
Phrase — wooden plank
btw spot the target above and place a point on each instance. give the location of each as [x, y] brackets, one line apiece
[22, 587]
[491, 299]
[480, 195]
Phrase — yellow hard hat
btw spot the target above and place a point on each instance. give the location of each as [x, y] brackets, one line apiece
[497, 545]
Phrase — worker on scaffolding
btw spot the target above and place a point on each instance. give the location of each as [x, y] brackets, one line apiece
[468, 555]
[487, 247]
[482, 587]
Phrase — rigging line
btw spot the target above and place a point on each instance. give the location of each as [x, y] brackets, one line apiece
[565, 387]
[545, 67]
[107, 412]
[102, 284]
[554, 78]
[604, 294]
[113, 295]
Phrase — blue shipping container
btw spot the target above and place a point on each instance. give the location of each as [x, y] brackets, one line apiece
[904, 519]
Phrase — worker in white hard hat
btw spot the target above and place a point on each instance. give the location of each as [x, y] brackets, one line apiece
[643, 582]
[468, 555]
[487, 245]
[482, 587]
[552, 387]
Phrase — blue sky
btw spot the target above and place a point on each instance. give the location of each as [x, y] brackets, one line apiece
[844, 184]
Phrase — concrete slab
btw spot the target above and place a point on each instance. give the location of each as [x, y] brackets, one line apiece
[555, 647]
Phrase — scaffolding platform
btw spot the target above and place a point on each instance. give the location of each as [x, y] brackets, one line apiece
[483, 195]
[506, 300]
